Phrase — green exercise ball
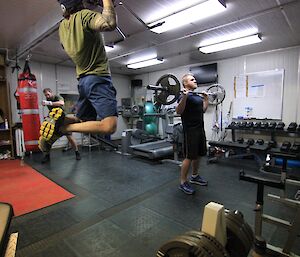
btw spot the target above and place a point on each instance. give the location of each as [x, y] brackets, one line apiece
[151, 128]
[149, 108]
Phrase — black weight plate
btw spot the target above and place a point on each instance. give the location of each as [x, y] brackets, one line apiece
[168, 89]
[213, 243]
[178, 247]
[238, 242]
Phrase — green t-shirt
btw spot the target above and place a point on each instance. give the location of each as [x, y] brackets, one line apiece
[55, 98]
[84, 46]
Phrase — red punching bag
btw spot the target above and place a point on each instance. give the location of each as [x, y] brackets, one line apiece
[28, 97]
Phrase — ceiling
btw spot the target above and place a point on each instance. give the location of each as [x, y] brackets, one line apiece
[31, 27]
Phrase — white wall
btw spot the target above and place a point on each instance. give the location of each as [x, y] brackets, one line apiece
[287, 59]
[62, 79]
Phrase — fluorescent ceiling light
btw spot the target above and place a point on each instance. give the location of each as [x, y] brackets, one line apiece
[253, 39]
[189, 15]
[109, 48]
[145, 63]
[225, 36]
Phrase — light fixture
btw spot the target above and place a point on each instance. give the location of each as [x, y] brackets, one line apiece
[109, 48]
[189, 15]
[145, 63]
[248, 40]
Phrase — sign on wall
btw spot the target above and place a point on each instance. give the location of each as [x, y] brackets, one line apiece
[259, 95]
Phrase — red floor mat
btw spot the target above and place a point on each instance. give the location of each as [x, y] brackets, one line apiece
[26, 189]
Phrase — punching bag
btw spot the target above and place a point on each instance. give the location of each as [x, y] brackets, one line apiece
[28, 97]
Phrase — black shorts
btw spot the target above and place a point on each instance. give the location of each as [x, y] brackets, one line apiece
[97, 98]
[194, 143]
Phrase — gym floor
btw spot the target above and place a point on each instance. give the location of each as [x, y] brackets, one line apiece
[128, 207]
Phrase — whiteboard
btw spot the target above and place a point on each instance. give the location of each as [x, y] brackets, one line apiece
[258, 95]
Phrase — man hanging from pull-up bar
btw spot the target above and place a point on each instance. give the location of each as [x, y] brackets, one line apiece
[191, 108]
[80, 38]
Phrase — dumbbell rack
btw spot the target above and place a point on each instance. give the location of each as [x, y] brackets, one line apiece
[273, 133]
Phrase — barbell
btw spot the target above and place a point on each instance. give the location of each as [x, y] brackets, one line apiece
[167, 91]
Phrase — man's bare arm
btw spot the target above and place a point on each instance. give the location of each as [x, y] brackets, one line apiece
[107, 20]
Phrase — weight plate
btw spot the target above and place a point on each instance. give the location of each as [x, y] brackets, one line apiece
[179, 247]
[216, 94]
[238, 239]
[213, 243]
[170, 90]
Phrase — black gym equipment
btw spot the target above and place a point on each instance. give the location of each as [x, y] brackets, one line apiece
[239, 234]
[242, 124]
[240, 140]
[298, 128]
[167, 91]
[272, 144]
[280, 126]
[295, 148]
[264, 125]
[285, 147]
[260, 141]
[292, 127]
[250, 141]
[199, 244]
[249, 124]
[256, 124]
[232, 125]
[291, 226]
[272, 125]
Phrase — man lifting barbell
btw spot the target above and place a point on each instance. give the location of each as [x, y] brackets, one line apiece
[191, 108]
[80, 38]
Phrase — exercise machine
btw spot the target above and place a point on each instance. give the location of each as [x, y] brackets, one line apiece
[293, 227]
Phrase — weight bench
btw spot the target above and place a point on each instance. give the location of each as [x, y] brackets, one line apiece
[229, 145]
[6, 214]
[245, 150]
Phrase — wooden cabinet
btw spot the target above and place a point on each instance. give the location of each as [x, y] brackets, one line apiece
[6, 137]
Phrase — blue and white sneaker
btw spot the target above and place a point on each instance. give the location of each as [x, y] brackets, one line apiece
[198, 180]
[186, 188]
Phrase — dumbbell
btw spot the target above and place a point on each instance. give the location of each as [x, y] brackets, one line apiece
[232, 124]
[264, 125]
[240, 140]
[272, 144]
[256, 124]
[249, 124]
[242, 124]
[292, 127]
[260, 141]
[295, 148]
[280, 125]
[285, 147]
[250, 141]
[272, 125]
[298, 129]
